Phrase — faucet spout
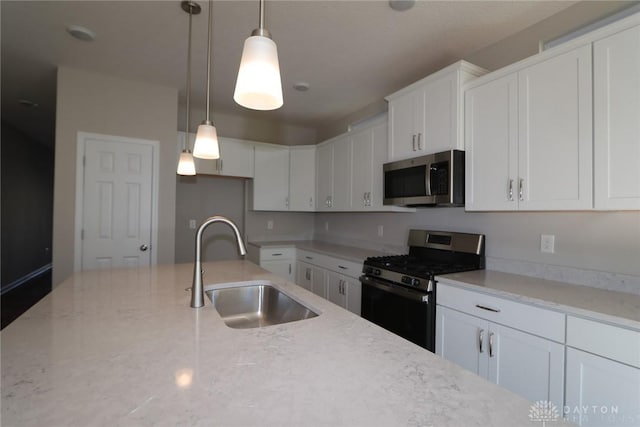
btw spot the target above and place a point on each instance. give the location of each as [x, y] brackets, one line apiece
[197, 290]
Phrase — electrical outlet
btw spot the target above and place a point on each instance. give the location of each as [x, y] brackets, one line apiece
[548, 243]
[192, 224]
[326, 226]
[270, 224]
[380, 230]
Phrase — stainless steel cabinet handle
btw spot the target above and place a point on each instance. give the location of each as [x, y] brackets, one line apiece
[308, 257]
[310, 202]
[144, 247]
[511, 190]
[481, 340]
[342, 267]
[413, 139]
[484, 307]
[286, 201]
[220, 170]
[521, 190]
[276, 254]
[289, 268]
[419, 141]
[307, 274]
[491, 344]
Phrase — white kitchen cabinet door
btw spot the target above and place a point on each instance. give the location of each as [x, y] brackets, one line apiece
[304, 275]
[283, 268]
[271, 178]
[406, 123]
[555, 133]
[380, 156]
[342, 174]
[600, 391]
[344, 291]
[362, 170]
[353, 295]
[440, 116]
[616, 83]
[461, 338]
[236, 158]
[324, 176]
[319, 281]
[530, 366]
[302, 178]
[491, 144]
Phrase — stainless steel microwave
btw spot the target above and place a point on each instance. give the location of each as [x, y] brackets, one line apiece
[431, 180]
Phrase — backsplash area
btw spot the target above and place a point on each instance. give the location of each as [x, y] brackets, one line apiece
[597, 249]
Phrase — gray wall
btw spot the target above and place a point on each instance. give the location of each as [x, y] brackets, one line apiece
[102, 104]
[198, 198]
[27, 204]
[601, 241]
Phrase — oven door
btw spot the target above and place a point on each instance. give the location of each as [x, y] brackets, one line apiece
[405, 312]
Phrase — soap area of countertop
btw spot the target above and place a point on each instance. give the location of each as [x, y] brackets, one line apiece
[123, 347]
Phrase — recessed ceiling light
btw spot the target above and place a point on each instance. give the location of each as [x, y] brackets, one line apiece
[401, 5]
[81, 33]
[301, 86]
[27, 103]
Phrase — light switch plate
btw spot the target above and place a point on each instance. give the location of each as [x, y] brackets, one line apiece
[270, 224]
[192, 224]
[548, 243]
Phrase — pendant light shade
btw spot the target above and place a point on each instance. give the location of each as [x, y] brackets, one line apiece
[206, 145]
[186, 166]
[259, 86]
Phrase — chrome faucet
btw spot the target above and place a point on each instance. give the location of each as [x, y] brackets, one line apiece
[197, 291]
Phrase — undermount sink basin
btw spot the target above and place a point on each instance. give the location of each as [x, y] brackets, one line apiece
[256, 305]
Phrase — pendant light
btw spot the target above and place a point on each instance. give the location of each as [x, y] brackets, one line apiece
[206, 145]
[258, 85]
[186, 165]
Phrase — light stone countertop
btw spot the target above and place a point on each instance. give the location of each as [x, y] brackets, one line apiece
[613, 307]
[123, 347]
[348, 253]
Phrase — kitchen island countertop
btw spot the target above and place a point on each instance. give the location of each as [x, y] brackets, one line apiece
[123, 347]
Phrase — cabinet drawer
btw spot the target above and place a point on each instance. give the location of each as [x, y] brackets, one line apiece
[347, 268]
[538, 321]
[267, 254]
[613, 342]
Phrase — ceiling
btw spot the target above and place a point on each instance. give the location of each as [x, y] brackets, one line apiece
[352, 53]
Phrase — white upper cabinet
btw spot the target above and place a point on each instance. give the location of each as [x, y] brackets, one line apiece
[324, 176]
[271, 178]
[369, 154]
[342, 174]
[555, 133]
[236, 157]
[425, 117]
[491, 122]
[616, 84]
[302, 178]
[528, 137]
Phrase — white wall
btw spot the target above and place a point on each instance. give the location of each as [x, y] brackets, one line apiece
[89, 102]
[600, 241]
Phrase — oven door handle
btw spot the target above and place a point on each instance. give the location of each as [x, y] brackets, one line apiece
[396, 290]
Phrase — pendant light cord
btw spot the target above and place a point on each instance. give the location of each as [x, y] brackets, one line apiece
[188, 79]
[261, 23]
[209, 58]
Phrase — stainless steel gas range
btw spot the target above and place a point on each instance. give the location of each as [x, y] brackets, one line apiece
[399, 291]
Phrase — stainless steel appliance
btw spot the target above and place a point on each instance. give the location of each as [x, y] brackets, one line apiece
[399, 291]
[434, 179]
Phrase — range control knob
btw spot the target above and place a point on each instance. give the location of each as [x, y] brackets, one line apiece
[376, 272]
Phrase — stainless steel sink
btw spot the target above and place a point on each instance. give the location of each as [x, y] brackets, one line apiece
[256, 305]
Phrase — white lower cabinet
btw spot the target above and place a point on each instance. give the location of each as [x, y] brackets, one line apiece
[600, 391]
[331, 278]
[344, 291]
[603, 374]
[523, 363]
[311, 278]
[515, 345]
[277, 260]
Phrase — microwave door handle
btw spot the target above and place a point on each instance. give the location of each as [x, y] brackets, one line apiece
[427, 178]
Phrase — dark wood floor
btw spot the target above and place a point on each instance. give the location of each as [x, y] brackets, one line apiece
[18, 300]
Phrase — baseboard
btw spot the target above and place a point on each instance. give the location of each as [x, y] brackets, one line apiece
[22, 280]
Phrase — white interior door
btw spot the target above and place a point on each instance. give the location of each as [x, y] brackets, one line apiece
[117, 203]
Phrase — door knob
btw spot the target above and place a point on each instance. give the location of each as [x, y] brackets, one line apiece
[144, 247]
